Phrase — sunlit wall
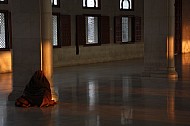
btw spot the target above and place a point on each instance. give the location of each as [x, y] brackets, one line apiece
[186, 38]
[185, 27]
[5, 61]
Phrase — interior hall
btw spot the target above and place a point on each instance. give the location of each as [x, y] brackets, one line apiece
[109, 63]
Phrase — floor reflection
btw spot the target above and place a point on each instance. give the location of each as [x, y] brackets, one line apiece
[126, 112]
[108, 94]
[5, 89]
[29, 116]
[126, 116]
[5, 83]
[92, 120]
[171, 101]
[92, 94]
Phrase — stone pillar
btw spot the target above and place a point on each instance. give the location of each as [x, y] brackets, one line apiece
[46, 42]
[32, 42]
[171, 37]
[25, 43]
[159, 24]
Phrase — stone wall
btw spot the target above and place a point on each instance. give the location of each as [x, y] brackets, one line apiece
[67, 57]
[94, 54]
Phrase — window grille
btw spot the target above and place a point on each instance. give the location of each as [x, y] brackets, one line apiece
[55, 2]
[2, 31]
[91, 30]
[3, 1]
[126, 29]
[55, 30]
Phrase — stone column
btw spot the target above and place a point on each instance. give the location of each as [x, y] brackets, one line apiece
[171, 37]
[46, 42]
[159, 24]
[25, 43]
[32, 42]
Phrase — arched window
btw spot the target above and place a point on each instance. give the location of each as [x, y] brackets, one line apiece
[126, 4]
[91, 3]
[3, 1]
[55, 2]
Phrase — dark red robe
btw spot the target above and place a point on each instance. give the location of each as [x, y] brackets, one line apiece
[36, 93]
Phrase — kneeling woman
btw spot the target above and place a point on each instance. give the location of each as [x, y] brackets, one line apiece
[36, 93]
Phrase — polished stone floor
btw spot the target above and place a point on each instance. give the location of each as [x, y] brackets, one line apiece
[107, 94]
